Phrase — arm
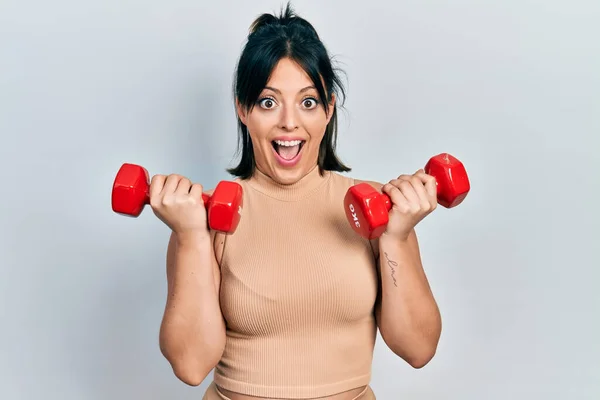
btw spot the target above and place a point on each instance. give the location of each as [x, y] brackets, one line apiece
[407, 314]
[192, 332]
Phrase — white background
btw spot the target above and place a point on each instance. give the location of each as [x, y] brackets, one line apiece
[512, 88]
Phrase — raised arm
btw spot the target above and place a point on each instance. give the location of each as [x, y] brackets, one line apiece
[407, 314]
[192, 331]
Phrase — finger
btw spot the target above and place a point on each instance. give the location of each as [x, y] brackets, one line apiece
[407, 188]
[420, 174]
[404, 177]
[196, 191]
[396, 197]
[430, 186]
[184, 185]
[156, 185]
[424, 198]
[171, 184]
[408, 178]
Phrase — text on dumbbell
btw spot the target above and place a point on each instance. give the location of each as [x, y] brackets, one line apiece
[354, 217]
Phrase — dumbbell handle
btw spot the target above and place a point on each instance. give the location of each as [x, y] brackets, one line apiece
[205, 197]
[387, 201]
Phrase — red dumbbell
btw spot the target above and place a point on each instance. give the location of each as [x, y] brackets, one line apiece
[367, 209]
[130, 193]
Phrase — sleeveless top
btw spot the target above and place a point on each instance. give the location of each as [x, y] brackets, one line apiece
[298, 290]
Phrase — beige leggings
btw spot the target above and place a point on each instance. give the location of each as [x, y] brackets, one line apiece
[213, 393]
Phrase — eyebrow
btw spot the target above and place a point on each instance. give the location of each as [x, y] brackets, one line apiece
[301, 91]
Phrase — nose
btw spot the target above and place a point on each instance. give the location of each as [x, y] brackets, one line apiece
[289, 119]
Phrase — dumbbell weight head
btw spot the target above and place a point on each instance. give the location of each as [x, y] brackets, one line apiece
[367, 209]
[130, 190]
[225, 206]
[451, 179]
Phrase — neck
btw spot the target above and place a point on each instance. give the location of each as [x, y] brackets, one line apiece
[307, 184]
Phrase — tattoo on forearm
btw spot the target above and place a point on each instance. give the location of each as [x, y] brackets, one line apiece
[391, 264]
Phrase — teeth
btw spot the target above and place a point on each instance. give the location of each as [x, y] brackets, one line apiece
[289, 143]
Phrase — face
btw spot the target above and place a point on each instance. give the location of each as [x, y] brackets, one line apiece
[287, 124]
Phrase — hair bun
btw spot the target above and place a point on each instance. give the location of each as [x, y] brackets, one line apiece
[262, 21]
[286, 18]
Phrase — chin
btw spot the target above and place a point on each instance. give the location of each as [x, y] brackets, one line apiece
[289, 176]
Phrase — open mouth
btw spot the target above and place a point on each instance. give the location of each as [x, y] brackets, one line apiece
[288, 150]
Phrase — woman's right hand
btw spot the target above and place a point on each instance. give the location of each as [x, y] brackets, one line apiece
[179, 204]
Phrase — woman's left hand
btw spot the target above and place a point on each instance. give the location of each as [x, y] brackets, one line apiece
[413, 198]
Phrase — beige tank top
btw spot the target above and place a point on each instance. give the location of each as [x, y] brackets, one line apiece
[298, 290]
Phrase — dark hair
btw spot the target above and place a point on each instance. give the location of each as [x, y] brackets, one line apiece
[272, 38]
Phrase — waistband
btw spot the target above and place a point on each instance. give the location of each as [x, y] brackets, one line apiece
[213, 393]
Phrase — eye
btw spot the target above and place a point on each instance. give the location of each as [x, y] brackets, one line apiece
[267, 102]
[310, 102]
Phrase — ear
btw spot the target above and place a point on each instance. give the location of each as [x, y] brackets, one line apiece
[331, 107]
[241, 112]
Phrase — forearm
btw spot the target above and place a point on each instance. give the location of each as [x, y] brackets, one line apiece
[408, 315]
[192, 335]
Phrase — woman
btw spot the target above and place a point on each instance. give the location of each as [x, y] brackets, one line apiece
[288, 306]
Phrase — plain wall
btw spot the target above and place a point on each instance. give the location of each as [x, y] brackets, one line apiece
[512, 88]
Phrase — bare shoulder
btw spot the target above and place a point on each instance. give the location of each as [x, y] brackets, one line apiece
[375, 184]
[218, 241]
